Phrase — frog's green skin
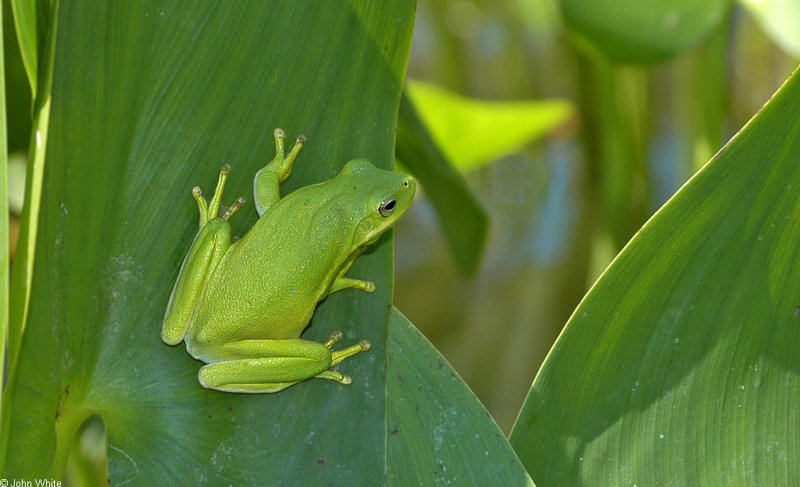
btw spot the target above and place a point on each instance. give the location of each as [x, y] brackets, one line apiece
[240, 307]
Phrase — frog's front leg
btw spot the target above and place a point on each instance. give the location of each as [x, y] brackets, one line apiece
[210, 244]
[274, 365]
[347, 282]
[340, 282]
[266, 184]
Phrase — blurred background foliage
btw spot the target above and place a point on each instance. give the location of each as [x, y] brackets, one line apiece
[562, 202]
[566, 151]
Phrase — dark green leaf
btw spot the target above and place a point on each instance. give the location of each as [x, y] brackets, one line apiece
[682, 364]
[439, 434]
[149, 99]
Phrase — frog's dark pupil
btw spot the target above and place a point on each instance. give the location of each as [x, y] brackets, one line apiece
[387, 206]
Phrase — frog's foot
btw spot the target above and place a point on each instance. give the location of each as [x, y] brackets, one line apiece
[335, 337]
[231, 210]
[282, 164]
[339, 355]
[266, 184]
[211, 209]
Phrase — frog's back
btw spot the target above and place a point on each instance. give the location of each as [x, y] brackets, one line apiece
[269, 282]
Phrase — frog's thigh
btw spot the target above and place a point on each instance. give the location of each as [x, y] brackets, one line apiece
[267, 365]
[207, 250]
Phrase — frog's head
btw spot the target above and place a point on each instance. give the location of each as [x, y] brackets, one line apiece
[385, 196]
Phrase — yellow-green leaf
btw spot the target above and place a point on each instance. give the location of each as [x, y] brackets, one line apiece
[472, 132]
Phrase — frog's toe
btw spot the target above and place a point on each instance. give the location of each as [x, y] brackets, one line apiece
[333, 375]
[230, 211]
[339, 355]
[335, 337]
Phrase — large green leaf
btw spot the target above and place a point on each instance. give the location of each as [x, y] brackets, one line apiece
[439, 434]
[643, 31]
[147, 100]
[682, 364]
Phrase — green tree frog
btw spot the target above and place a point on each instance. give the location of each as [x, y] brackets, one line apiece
[241, 306]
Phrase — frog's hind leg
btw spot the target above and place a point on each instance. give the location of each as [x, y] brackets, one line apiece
[203, 258]
[210, 244]
[339, 355]
[274, 365]
[210, 210]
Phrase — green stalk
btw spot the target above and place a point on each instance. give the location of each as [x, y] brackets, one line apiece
[22, 272]
[614, 110]
[4, 237]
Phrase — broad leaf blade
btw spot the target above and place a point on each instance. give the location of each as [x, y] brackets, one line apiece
[682, 365]
[439, 433]
[148, 100]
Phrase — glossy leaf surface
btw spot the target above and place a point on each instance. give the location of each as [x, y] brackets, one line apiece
[149, 99]
[439, 434]
[682, 364]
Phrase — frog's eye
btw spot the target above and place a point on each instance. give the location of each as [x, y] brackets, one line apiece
[387, 206]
